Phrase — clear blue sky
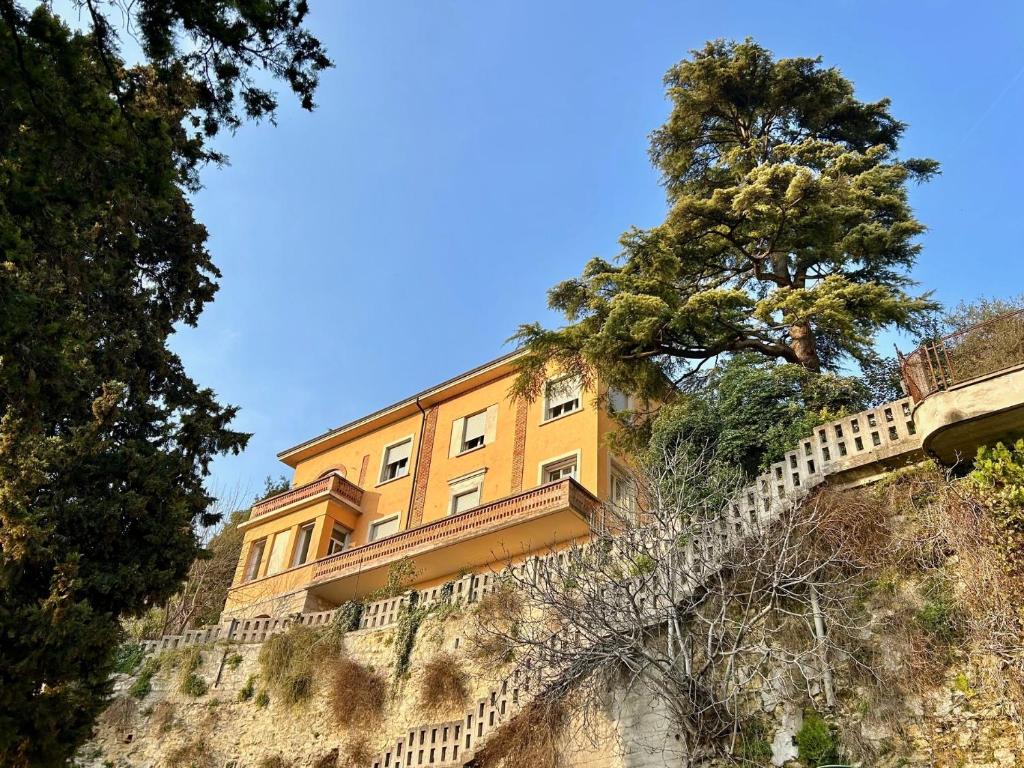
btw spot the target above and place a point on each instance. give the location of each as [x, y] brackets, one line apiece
[465, 156]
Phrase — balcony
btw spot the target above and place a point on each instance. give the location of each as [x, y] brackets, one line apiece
[330, 487]
[968, 387]
[491, 533]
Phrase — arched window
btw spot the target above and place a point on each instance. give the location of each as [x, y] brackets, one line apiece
[340, 469]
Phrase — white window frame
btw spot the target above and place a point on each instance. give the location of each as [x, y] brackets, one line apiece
[346, 541]
[295, 562]
[617, 475]
[548, 464]
[384, 460]
[454, 510]
[467, 483]
[627, 401]
[252, 570]
[464, 446]
[377, 524]
[547, 415]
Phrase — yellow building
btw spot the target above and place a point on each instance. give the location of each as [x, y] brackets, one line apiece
[455, 478]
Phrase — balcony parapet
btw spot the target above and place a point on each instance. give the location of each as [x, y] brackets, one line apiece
[536, 502]
[332, 485]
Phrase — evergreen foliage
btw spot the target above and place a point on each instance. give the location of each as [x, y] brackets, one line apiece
[789, 233]
[105, 441]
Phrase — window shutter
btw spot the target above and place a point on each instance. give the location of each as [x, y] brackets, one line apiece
[475, 425]
[562, 391]
[456, 444]
[399, 452]
[491, 426]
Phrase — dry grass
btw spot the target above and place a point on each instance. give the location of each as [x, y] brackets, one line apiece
[357, 692]
[291, 660]
[529, 739]
[192, 754]
[273, 761]
[327, 760]
[443, 683]
[358, 753]
[162, 720]
[120, 713]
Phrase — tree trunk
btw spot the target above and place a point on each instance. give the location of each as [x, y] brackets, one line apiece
[805, 346]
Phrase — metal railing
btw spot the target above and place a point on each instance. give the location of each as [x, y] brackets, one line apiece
[982, 349]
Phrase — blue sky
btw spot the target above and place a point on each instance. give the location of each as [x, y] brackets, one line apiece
[465, 156]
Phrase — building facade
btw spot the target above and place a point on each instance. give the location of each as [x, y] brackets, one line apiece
[458, 477]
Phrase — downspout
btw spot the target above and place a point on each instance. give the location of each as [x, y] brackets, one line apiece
[416, 468]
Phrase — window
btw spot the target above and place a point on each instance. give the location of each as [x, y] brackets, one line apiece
[618, 402]
[278, 553]
[559, 470]
[624, 494]
[396, 461]
[383, 528]
[473, 431]
[340, 539]
[252, 563]
[466, 500]
[561, 397]
[301, 551]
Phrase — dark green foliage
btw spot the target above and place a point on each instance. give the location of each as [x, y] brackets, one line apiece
[105, 442]
[408, 625]
[144, 682]
[246, 691]
[273, 486]
[940, 615]
[816, 742]
[752, 410]
[127, 657]
[193, 685]
[789, 232]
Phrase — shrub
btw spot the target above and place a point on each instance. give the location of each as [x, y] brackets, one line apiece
[497, 619]
[443, 682]
[530, 738]
[234, 660]
[193, 685]
[290, 661]
[755, 743]
[192, 754]
[358, 753]
[262, 700]
[127, 657]
[815, 742]
[940, 616]
[273, 761]
[247, 691]
[144, 682]
[357, 692]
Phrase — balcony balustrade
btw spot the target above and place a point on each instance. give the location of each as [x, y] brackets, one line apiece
[333, 484]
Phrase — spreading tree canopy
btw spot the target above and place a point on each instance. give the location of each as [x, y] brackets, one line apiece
[789, 232]
[104, 438]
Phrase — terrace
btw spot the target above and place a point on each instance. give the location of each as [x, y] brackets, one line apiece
[496, 532]
[968, 387]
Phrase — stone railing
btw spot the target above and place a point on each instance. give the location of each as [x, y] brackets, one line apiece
[332, 484]
[493, 515]
[859, 440]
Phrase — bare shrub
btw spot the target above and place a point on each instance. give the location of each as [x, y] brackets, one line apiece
[496, 621]
[357, 692]
[328, 760]
[120, 713]
[358, 753]
[443, 683]
[162, 720]
[530, 738]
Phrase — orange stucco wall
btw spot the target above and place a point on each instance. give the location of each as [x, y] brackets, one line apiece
[581, 432]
